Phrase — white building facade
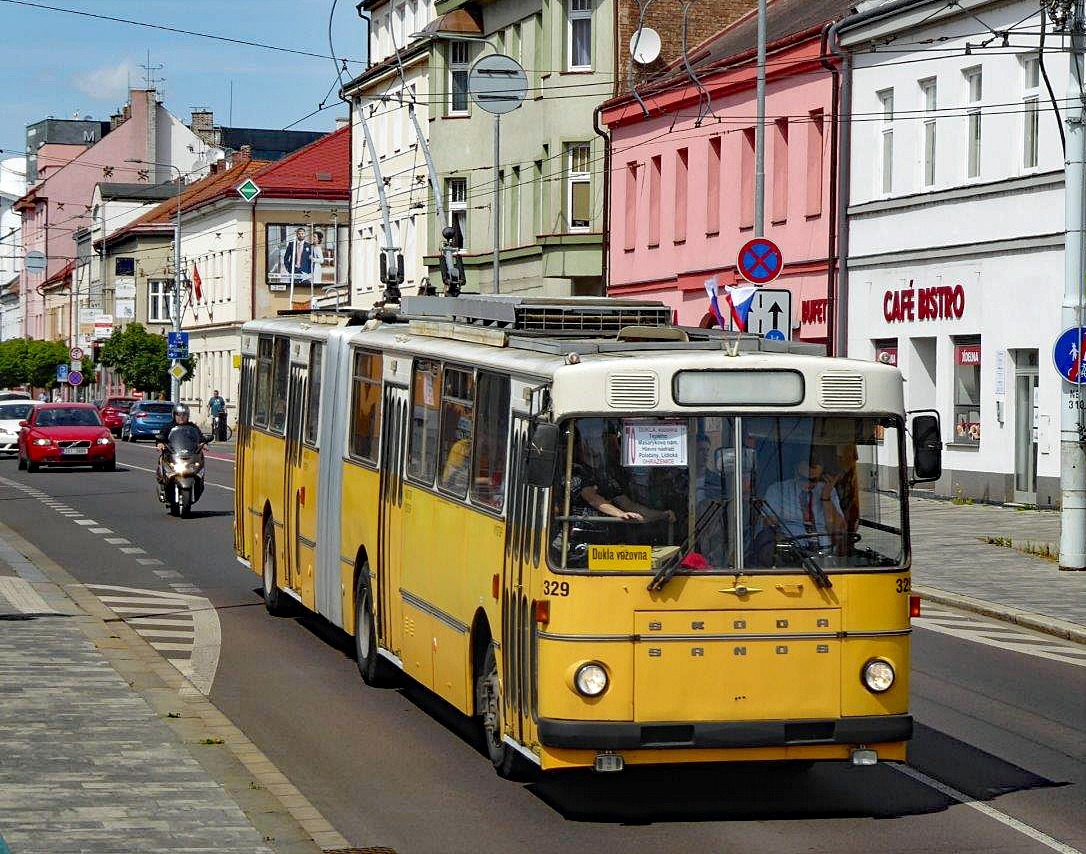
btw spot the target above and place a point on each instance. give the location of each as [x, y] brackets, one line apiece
[956, 219]
[12, 187]
[383, 94]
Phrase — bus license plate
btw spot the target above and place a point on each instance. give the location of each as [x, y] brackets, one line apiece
[73, 451]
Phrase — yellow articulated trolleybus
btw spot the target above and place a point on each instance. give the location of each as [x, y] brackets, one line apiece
[612, 540]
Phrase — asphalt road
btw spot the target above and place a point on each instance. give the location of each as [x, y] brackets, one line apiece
[1001, 730]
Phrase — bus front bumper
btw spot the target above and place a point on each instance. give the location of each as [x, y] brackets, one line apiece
[623, 735]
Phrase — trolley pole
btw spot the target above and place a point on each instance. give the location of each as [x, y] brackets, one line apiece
[1072, 435]
[759, 130]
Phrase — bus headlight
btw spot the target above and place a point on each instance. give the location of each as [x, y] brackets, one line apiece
[591, 679]
[878, 675]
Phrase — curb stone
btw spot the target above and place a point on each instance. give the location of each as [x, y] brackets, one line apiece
[289, 823]
[1027, 619]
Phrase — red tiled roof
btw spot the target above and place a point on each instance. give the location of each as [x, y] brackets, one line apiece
[321, 170]
[195, 195]
[58, 277]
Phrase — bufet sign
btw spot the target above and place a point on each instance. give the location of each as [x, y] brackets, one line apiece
[912, 304]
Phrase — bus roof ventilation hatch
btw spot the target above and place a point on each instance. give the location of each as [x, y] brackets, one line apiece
[633, 390]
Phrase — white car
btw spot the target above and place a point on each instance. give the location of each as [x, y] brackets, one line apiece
[11, 413]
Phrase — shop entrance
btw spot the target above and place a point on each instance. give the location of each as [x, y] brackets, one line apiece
[1025, 426]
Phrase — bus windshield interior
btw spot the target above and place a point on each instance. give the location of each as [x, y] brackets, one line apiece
[728, 493]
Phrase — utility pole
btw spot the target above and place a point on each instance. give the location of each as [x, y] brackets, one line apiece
[759, 130]
[1069, 16]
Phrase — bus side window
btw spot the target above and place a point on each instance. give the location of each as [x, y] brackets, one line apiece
[365, 405]
[313, 403]
[457, 425]
[422, 444]
[491, 441]
[263, 382]
[280, 376]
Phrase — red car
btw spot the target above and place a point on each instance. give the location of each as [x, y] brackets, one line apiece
[65, 434]
[113, 412]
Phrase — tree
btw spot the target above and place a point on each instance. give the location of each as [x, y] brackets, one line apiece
[140, 358]
[30, 362]
[13, 362]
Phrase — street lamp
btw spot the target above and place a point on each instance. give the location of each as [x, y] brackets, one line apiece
[175, 383]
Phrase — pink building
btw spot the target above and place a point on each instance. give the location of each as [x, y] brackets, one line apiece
[60, 204]
[681, 197]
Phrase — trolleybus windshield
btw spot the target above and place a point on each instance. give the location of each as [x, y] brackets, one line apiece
[721, 493]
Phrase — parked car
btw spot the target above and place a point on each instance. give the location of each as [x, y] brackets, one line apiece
[113, 411]
[14, 395]
[145, 419]
[11, 413]
[65, 434]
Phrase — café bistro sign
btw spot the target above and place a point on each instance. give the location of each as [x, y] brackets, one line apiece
[912, 304]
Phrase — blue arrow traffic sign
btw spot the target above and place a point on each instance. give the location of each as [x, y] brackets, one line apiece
[177, 339]
[1067, 354]
[760, 261]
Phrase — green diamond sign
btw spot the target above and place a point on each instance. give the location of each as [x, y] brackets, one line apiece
[248, 190]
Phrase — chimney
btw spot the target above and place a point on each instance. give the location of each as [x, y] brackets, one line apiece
[203, 119]
[342, 122]
[246, 151]
[116, 120]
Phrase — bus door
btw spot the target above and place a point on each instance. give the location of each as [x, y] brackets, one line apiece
[242, 521]
[521, 549]
[293, 483]
[386, 588]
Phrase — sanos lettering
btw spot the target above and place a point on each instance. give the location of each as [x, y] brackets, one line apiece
[944, 302]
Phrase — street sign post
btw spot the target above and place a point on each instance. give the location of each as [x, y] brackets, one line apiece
[759, 261]
[177, 345]
[75, 378]
[1067, 354]
[771, 314]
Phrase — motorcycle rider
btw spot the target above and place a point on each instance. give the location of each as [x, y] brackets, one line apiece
[162, 441]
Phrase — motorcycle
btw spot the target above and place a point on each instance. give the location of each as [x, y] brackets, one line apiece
[181, 471]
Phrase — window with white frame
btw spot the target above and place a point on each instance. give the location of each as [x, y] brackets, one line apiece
[1031, 117]
[974, 94]
[158, 301]
[579, 190]
[579, 35]
[929, 97]
[456, 192]
[458, 56]
[886, 101]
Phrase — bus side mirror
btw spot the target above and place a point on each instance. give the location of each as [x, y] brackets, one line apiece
[927, 448]
[542, 455]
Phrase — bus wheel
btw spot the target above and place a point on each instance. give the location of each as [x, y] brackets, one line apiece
[277, 604]
[507, 761]
[374, 669]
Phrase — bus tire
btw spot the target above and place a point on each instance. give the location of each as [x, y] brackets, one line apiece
[275, 602]
[506, 760]
[375, 671]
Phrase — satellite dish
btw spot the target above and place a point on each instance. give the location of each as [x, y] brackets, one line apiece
[645, 46]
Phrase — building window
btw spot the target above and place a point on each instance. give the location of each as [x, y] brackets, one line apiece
[654, 201]
[579, 35]
[967, 391]
[458, 77]
[682, 171]
[1031, 69]
[886, 351]
[929, 96]
[631, 207]
[974, 84]
[580, 186]
[365, 405]
[712, 187]
[815, 161]
[746, 179]
[512, 233]
[780, 171]
[456, 190]
[158, 301]
[886, 100]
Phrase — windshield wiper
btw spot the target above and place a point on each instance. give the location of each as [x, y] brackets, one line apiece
[813, 568]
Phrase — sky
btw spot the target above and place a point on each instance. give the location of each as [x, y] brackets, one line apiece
[58, 64]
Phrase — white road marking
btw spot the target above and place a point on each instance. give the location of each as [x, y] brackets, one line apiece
[148, 561]
[85, 522]
[133, 550]
[169, 614]
[1004, 819]
[1003, 636]
[118, 541]
[100, 531]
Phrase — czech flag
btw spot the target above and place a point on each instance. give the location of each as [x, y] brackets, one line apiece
[739, 299]
[714, 304]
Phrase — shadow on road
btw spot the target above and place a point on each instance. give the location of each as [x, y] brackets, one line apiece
[209, 514]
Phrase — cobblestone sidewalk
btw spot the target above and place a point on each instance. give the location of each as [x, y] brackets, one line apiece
[949, 553]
